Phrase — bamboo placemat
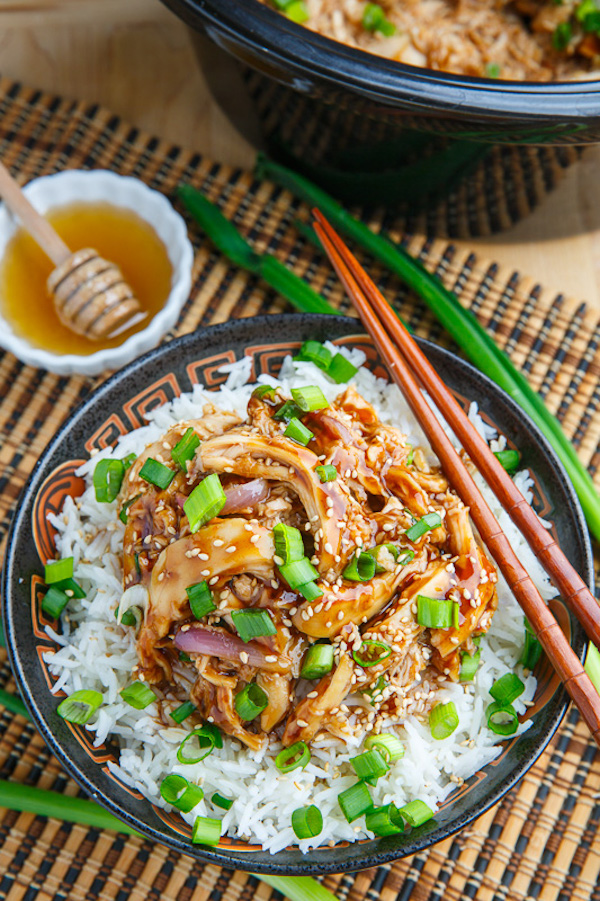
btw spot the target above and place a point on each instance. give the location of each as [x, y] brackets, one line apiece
[541, 840]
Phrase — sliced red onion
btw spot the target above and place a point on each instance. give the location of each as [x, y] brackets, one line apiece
[218, 643]
[245, 495]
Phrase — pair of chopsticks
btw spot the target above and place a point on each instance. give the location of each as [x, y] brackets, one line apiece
[411, 370]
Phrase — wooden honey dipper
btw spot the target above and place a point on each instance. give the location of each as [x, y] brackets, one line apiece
[90, 295]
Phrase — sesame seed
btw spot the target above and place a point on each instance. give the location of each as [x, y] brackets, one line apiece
[271, 658]
[231, 549]
[205, 572]
[244, 657]
[218, 543]
[213, 581]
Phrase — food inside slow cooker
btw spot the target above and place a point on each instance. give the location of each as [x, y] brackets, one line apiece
[525, 40]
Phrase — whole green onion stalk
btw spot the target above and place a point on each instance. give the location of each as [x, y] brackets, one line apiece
[231, 243]
[460, 323]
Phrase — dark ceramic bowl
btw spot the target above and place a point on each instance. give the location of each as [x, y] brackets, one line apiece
[118, 406]
[373, 130]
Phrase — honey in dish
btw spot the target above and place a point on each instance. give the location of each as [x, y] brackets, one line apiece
[119, 235]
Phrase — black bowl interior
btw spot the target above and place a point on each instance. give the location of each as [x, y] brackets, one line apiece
[117, 406]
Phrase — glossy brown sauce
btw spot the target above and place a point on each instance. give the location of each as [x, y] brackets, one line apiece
[119, 236]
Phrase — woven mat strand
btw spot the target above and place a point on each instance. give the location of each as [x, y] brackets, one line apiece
[541, 841]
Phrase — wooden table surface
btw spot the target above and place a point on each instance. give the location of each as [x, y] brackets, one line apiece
[136, 58]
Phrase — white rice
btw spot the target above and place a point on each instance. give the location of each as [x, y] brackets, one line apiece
[95, 652]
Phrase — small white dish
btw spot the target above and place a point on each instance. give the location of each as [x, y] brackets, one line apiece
[99, 185]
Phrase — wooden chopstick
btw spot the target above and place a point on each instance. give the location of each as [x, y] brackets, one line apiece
[556, 646]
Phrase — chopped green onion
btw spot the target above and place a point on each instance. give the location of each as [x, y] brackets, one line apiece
[388, 548]
[507, 688]
[124, 509]
[183, 795]
[201, 599]
[250, 701]
[205, 502]
[288, 410]
[390, 747]
[373, 691]
[298, 432]
[361, 568]
[185, 658]
[591, 22]
[341, 370]
[197, 745]
[371, 653]
[206, 831]
[211, 730]
[385, 820]
[297, 12]
[288, 543]
[182, 712]
[298, 572]
[107, 479]
[426, 524]
[310, 591]
[79, 707]
[185, 449]
[297, 755]
[54, 602]
[58, 570]
[411, 455]
[437, 613]
[374, 19]
[70, 588]
[469, 664]
[307, 822]
[405, 557]
[443, 720]
[219, 801]
[253, 623]
[532, 649]
[509, 459]
[315, 352]
[584, 8]
[493, 70]
[416, 813]
[138, 695]
[355, 801]
[502, 719]
[263, 391]
[310, 398]
[129, 460]
[561, 36]
[156, 473]
[129, 617]
[318, 661]
[369, 766]
[326, 473]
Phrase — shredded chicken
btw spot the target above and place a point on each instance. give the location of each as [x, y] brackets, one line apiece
[382, 490]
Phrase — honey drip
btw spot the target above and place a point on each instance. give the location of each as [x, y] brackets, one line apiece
[118, 235]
